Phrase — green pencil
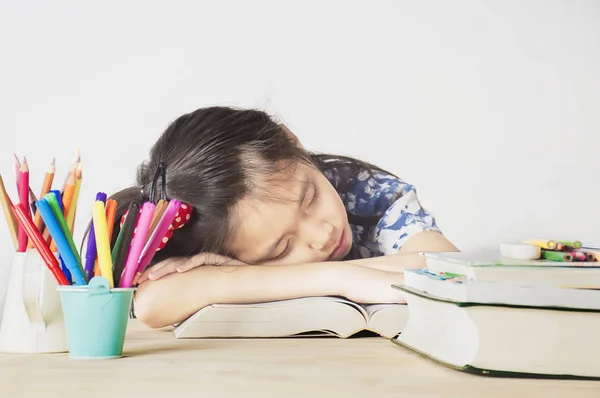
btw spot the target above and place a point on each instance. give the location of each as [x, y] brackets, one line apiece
[574, 244]
[557, 256]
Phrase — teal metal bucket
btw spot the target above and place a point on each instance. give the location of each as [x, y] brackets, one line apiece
[96, 318]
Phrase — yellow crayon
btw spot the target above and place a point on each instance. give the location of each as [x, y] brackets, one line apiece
[544, 244]
[102, 243]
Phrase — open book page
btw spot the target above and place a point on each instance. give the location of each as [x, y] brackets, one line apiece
[386, 319]
[327, 315]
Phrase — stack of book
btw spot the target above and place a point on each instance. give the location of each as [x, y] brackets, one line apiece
[490, 315]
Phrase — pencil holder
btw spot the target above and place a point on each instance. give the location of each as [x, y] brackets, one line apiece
[4, 277]
[96, 317]
[32, 318]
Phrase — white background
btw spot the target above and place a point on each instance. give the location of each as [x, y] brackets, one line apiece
[491, 108]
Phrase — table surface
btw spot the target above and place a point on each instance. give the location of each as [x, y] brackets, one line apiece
[156, 364]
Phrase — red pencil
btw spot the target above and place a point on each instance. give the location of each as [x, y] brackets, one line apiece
[23, 185]
[34, 234]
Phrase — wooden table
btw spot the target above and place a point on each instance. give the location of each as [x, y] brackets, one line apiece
[158, 365]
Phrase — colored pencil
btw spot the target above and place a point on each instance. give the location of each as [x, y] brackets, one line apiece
[17, 169]
[579, 256]
[137, 244]
[102, 241]
[32, 200]
[23, 187]
[159, 233]
[8, 214]
[35, 236]
[62, 241]
[72, 169]
[590, 256]
[544, 244]
[73, 209]
[17, 164]
[556, 256]
[123, 243]
[574, 244]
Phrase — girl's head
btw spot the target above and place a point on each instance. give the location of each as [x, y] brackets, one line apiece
[256, 194]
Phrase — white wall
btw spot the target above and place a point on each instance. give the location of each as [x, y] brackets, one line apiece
[489, 107]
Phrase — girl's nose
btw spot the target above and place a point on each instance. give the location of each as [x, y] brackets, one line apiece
[319, 235]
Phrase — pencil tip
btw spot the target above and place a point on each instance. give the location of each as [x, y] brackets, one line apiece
[53, 161]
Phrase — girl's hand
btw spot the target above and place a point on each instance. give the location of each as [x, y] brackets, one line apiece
[184, 264]
[372, 286]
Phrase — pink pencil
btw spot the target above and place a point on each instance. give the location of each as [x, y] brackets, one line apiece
[23, 186]
[137, 244]
[159, 233]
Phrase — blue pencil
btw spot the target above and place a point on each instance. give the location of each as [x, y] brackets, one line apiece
[61, 241]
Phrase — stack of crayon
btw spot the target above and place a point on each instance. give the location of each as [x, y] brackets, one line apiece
[564, 251]
[46, 224]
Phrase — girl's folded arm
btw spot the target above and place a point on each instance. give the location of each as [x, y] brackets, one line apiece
[177, 296]
[408, 256]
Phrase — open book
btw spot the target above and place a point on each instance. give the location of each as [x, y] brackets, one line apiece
[317, 316]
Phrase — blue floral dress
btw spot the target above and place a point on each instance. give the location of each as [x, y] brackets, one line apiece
[390, 203]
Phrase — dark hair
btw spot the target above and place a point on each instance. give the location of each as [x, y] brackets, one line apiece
[212, 157]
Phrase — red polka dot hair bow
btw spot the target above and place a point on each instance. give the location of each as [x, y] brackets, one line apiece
[181, 218]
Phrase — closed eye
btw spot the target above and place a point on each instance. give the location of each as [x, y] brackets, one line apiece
[315, 197]
[285, 252]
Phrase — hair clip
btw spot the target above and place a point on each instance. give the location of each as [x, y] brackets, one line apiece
[184, 213]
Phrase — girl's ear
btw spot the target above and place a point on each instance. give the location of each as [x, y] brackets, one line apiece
[291, 135]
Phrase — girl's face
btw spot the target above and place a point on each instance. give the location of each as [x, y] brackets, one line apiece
[309, 224]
